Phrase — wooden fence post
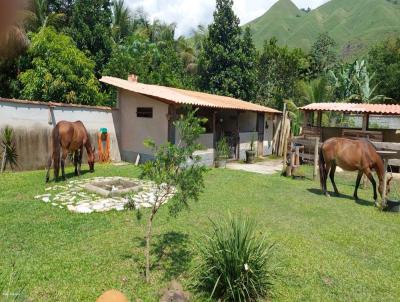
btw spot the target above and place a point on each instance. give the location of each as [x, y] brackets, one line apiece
[316, 157]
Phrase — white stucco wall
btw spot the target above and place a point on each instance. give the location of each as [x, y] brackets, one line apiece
[134, 131]
[33, 123]
[248, 122]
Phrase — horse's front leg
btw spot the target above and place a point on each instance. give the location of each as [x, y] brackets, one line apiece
[80, 160]
[359, 176]
[372, 180]
[76, 161]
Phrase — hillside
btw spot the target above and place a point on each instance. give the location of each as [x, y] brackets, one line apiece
[355, 24]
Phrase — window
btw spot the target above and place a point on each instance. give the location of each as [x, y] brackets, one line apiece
[144, 112]
[388, 122]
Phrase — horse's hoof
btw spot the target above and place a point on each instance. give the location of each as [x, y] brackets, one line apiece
[337, 194]
[327, 195]
[355, 197]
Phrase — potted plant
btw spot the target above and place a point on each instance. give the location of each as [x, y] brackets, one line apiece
[222, 153]
[251, 154]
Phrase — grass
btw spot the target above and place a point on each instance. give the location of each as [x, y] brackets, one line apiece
[357, 24]
[328, 249]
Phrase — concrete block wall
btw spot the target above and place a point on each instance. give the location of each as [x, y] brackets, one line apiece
[33, 122]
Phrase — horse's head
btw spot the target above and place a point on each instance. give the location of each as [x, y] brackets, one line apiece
[388, 185]
[91, 159]
[380, 188]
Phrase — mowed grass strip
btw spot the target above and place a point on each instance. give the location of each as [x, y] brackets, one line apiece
[327, 249]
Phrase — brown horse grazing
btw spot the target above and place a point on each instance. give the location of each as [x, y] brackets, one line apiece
[351, 155]
[71, 138]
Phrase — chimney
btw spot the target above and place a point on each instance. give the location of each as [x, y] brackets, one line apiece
[133, 78]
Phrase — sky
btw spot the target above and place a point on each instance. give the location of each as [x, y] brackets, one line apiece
[188, 14]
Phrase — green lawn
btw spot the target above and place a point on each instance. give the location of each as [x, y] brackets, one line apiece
[327, 249]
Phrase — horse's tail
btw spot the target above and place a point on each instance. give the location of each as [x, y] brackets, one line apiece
[322, 169]
[55, 138]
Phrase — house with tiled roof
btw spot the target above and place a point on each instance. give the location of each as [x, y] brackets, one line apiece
[149, 111]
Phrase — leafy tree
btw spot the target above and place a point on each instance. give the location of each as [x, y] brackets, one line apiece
[9, 69]
[42, 16]
[64, 7]
[121, 20]
[91, 29]
[154, 63]
[221, 68]
[57, 70]
[249, 62]
[323, 55]
[384, 61]
[279, 68]
[175, 171]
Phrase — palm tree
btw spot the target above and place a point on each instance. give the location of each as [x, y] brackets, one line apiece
[121, 20]
[187, 54]
[41, 16]
[316, 91]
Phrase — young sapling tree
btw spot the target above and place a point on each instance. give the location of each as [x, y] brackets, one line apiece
[176, 172]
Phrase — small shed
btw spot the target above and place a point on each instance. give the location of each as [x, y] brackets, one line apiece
[149, 111]
[377, 122]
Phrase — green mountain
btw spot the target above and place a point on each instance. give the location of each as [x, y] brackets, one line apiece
[354, 24]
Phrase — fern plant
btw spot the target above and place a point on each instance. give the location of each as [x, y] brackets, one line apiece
[9, 154]
[235, 262]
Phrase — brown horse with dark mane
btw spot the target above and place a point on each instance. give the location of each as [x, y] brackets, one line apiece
[351, 155]
[70, 138]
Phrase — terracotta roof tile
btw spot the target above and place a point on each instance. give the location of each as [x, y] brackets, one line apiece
[354, 108]
[180, 96]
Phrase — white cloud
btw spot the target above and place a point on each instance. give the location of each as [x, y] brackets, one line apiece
[188, 14]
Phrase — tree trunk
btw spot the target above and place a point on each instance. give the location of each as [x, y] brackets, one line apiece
[148, 239]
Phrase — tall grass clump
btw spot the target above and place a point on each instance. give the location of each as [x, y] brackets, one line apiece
[235, 262]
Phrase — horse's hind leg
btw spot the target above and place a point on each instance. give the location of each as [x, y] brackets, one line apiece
[63, 158]
[360, 174]
[332, 177]
[49, 162]
[327, 172]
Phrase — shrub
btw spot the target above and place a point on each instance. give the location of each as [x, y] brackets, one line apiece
[235, 262]
[223, 148]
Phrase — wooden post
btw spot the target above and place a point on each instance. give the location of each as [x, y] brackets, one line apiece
[319, 119]
[316, 157]
[385, 164]
[238, 136]
[171, 126]
[297, 156]
[365, 122]
[261, 131]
